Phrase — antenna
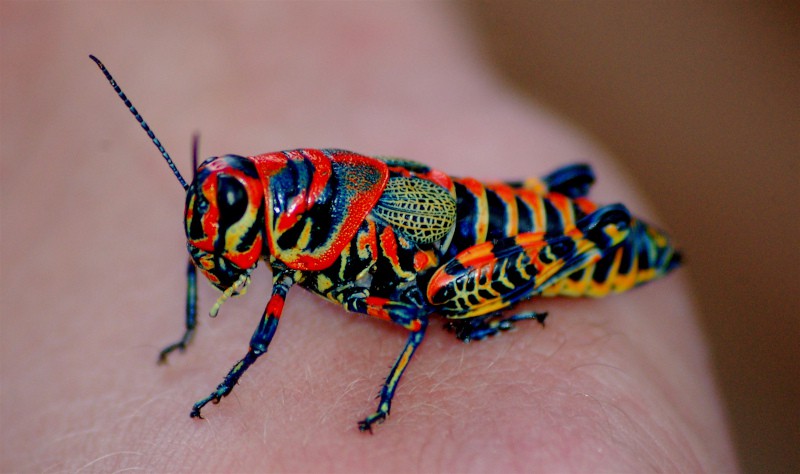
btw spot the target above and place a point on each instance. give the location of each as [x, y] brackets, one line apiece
[141, 121]
[195, 148]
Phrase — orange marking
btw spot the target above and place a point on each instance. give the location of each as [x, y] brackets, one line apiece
[376, 307]
[441, 279]
[422, 260]
[414, 326]
[536, 185]
[508, 196]
[562, 203]
[585, 205]
[537, 206]
[437, 177]
[476, 255]
[482, 212]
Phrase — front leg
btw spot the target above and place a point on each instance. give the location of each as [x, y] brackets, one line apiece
[191, 314]
[282, 281]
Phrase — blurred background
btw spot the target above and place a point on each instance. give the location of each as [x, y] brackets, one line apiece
[701, 104]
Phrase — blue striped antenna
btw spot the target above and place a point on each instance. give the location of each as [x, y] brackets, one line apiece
[141, 121]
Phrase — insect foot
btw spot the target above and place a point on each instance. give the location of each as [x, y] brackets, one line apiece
[366, 424]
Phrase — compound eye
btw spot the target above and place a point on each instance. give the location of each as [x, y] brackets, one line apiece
[231, 199]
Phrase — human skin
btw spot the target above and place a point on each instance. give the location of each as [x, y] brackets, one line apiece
[93, 261]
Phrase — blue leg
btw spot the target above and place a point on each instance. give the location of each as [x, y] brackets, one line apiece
[407, 309]
[572, 181]
[191, 314]
[258, 343]
[417, 326]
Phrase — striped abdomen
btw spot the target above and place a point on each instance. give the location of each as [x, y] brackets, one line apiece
[488, 212]
[645, 255]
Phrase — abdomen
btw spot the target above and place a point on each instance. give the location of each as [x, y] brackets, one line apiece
[645, 255]
[489, 212]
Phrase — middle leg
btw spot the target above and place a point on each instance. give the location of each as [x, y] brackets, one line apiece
[411, 317]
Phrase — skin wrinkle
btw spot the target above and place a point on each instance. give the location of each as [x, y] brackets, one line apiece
[600, 341]
[106, 456]
[682, 438]
[627, 408]
[622, 427]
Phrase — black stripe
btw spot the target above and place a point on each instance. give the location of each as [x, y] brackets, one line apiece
[554, 224]
[466, 216]
[626, 260]
[498, 216]
[525, 216]
[602, 268]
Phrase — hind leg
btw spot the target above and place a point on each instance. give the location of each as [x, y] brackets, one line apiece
[475, 329]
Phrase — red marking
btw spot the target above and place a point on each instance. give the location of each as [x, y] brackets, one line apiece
[211, 277]
[421, 261]
[376, 307]
[275, 306]
[294, 210]
[473, 185]
[389, 246]
[210, 220]
[322, 173]
[477, 255]
[505, 192]
[247, 259]
[269, 164]
[369, 242]
[400, 170]
[434, 176]
[441, 279]
[255, 198]
[440, 178]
